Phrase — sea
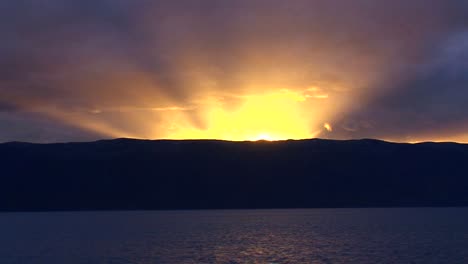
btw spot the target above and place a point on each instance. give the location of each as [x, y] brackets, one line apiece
[367, 235]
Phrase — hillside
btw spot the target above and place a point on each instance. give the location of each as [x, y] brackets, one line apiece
[202, 174]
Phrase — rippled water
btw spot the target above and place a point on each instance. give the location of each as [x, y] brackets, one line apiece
[417, 235]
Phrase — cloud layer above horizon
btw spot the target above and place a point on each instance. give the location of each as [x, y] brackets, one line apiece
[81, 70]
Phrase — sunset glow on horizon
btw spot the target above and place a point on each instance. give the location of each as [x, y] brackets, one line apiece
[240, 70]
[279, 115]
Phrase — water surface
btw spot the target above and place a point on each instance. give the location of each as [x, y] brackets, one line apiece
[410, 235]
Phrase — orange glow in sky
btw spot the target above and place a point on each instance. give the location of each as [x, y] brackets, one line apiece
[236, 70]
[271, 116]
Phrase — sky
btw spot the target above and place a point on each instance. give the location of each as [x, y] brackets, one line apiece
[80, 70]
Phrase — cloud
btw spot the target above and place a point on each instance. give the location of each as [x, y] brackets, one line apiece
[30, 127]
[6, 107]
[386, 69]
[429, 103]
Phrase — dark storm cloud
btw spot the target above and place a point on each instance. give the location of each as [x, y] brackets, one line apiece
[30, 127]
[6, 107]
[63, 57]
[430, 101]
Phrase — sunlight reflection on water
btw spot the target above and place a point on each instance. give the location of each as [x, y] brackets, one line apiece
[424, 235]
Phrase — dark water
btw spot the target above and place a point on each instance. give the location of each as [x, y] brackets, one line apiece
[423, 235]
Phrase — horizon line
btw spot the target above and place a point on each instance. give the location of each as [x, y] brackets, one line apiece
[236, 141]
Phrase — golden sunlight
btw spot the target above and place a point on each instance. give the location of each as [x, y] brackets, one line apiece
[263, 137]
[272, 116]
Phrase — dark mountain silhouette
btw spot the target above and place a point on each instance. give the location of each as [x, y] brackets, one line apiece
[202, 174]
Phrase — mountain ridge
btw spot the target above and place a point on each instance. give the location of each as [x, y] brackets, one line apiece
[123, 174]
